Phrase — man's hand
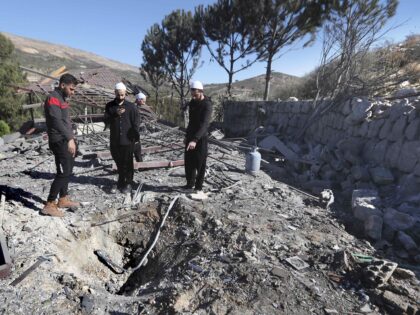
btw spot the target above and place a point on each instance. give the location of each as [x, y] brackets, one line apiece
[191, 145]
[72, 147]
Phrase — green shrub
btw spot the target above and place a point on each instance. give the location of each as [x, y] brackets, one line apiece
[4, 128]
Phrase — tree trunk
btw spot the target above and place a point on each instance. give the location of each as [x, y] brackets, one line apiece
[156, 101]
[268, 78]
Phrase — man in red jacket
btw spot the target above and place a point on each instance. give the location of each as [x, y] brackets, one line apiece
[62, 144]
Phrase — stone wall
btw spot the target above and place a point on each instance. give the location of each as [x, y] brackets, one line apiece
[383, 133]
[370, 148]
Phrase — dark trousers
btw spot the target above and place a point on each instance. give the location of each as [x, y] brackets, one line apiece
[64, 162]
[123, 158]
[195, 164]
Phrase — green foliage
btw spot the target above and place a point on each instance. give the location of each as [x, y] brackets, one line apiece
[4, 128]
[10, 74]
[171, 52]
[282, 23]
[229, 24]
[351, 29]
[153, 66]
[182, 49]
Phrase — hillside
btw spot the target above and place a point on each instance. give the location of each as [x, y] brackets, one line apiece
[47, 57]
[253, 88]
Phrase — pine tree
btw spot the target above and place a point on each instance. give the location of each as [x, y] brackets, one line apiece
[152, 68]
[282, 23]
[226, 24]
[182, 49]
[10, 74]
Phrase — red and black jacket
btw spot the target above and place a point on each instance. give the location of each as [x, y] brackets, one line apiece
[57, 117]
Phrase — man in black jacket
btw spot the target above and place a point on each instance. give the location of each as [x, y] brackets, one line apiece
[200, 110]
[62, 144]
[124, 122]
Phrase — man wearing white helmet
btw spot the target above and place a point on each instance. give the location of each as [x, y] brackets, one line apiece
[123, 120]
[200, 110]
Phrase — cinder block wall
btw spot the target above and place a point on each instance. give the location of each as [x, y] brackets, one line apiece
[384, 133]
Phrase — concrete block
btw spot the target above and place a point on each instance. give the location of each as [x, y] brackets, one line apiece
[346, 108]
[397, 220]
[381, 175]
[412, 130]
[365, 203]
[365, 210]
[380, 151]
[406, 242]
[373, 227]
[369, 150]
[397, 131]
[392, 154]
[360, 111]
[414, 232]
[395, 301]
[374, 127]
[385, 129]
[409, 157]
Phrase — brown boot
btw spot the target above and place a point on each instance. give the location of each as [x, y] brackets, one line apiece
[51, 209]
[65, 202]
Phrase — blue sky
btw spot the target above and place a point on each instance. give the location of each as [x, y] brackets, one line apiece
[115, 29]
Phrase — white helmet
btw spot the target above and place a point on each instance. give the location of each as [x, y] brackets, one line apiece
[140, 96]
[196, 85]
[120, 86]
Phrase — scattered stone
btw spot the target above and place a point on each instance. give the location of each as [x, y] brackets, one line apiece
[406, 241]
[402, 273]
[395, 301]
[366, 309]
[373, 227]
[381, 175]
[297, 263]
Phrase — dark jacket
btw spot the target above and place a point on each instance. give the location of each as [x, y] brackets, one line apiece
[57, 117]
[199, 119]
[124, 128]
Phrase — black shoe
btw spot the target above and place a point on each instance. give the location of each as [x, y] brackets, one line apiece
[187, 187]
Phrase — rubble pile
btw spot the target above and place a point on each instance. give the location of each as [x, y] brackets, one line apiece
[358, 147]
[256, 245]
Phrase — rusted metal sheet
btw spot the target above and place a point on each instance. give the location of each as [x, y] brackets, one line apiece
[157, 164]
[154, 164]
[5, 262]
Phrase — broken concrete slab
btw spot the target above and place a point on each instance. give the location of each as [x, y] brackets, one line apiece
[274, 143]
[297, 263]
[364, 203]
[395, 301]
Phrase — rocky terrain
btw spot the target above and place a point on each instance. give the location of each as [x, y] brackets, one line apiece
[257, 245]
